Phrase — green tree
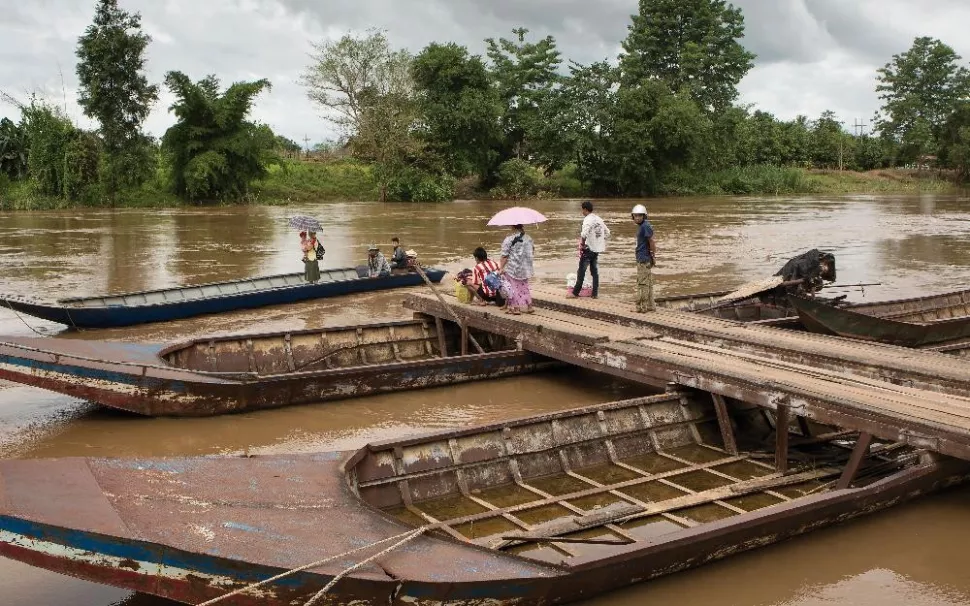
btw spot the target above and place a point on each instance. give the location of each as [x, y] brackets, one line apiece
[589, 94]
[459, 109]
[920, 89]
[691, 45]
[655, 132]
[48, 134]
[13, 149]
[830, 147]
[82, 156]
[386, 138]
[955, 141]
[526, 78]
[348, 74]
[215, 153]
[114, 91]
[796, 138]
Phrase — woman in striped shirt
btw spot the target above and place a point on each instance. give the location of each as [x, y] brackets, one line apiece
[482, 293]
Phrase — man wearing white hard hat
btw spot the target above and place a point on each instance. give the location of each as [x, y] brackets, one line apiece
[646, 259]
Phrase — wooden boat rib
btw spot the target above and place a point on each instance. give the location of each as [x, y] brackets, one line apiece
[218, 375]
[126, 309]
[892, 328]
[544, 510]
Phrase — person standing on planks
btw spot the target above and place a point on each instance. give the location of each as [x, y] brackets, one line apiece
[646, 259]
[592, 244]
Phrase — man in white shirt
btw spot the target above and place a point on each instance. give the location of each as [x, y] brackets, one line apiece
[593, 237]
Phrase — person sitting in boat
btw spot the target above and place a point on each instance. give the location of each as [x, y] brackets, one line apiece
[312, 251]
[484, 283]
[377, 265]
[399, 258]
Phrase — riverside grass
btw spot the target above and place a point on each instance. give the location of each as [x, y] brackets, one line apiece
[353, 181]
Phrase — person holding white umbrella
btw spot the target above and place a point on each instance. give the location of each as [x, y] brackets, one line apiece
[518, 253]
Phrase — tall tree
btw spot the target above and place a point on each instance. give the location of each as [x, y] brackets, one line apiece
[955, 141]
[114, 90]
[367, 89]
[349, 73]
[215, 152]
[691, 45]
[920, 89]
[589, 93]
[526, 78]
[459, 108]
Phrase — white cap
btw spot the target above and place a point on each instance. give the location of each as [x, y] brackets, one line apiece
[639, 209]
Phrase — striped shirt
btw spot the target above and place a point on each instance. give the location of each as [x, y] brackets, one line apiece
[483, 269]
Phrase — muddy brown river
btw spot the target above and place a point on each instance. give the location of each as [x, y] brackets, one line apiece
[912, 555]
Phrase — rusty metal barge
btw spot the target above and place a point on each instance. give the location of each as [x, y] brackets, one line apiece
[239, 373]
[543, 510]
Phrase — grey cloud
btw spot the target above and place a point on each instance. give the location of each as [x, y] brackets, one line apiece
[800, 43]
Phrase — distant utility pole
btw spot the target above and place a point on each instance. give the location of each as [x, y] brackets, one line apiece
[306, 143]
[860, 128]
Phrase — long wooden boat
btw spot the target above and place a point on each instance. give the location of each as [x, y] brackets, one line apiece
[219, 375]
[544, 510]
[886, 323]
[127, 309]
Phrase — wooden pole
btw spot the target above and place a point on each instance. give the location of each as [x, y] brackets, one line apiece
[724, 421]
[782, 416]
[464, 329]
[852, 467]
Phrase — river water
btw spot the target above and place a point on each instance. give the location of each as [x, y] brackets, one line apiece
[911, 555]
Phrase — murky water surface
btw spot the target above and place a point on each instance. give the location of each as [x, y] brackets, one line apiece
[913, 555]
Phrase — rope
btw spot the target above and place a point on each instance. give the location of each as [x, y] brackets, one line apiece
[16, 313]
[407, 536]
[360, 564]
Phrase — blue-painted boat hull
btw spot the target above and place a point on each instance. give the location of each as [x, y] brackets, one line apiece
[112, 316]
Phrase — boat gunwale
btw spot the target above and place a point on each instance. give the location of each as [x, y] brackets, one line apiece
[180, 345]
[72, 302]
[252, 378]
[416, 439]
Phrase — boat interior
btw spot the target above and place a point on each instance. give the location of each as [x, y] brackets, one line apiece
[329, 348]
[205, 291]
[572, 487]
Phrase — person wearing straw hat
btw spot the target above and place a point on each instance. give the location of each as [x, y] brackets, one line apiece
[377, 265]
[646, 259]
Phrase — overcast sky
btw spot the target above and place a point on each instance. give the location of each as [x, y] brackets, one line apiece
[812, 54]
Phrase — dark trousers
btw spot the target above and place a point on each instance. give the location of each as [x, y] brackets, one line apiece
[589, 259]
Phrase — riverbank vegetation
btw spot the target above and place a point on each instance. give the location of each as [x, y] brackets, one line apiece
[519, 122]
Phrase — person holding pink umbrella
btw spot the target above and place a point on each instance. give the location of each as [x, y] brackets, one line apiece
[518, 252]
[516, 269]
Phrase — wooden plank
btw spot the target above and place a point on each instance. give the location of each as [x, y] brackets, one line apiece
[442, 342]
[782, 416]
[464, 339]
[552, 530]
[852, 467]
[724, 422]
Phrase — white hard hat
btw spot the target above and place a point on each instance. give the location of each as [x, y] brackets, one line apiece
[639, 209]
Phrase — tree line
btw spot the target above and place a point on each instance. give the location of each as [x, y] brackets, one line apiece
[663, 113]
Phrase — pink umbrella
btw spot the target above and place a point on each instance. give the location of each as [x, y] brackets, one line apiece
[517, 215]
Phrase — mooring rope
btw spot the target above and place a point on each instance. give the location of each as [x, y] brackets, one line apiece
[363, 563]
[16, 313]
[405, 537]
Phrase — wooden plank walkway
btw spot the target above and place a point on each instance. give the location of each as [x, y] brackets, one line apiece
[915, 397]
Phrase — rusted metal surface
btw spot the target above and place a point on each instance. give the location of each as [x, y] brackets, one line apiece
[923, 415]
[633, 489]
[212, 376]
